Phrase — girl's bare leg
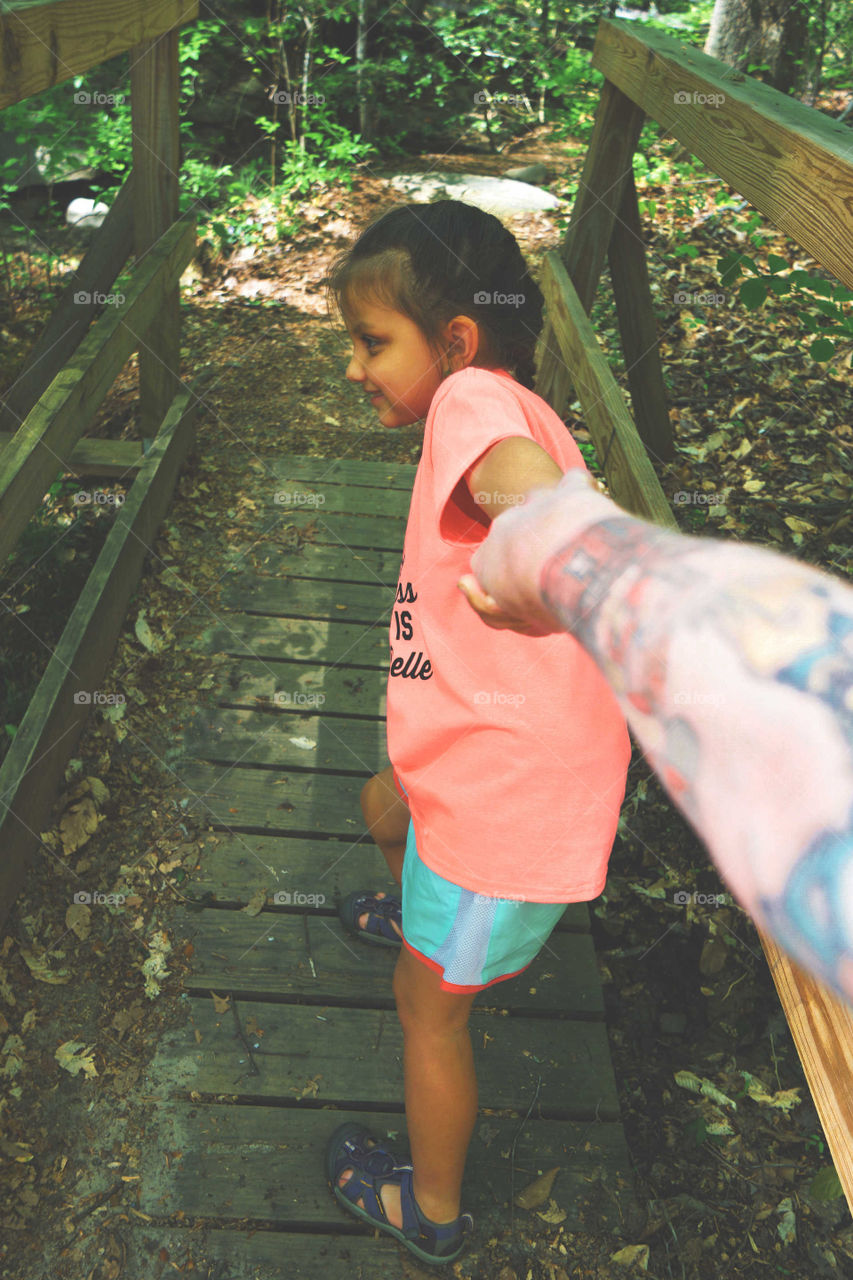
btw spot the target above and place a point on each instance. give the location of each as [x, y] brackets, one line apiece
[441, 1090]
[387, 818]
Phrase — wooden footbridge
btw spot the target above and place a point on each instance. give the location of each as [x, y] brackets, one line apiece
[292, 1025]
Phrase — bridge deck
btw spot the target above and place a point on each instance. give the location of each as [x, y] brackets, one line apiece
[302, 1032]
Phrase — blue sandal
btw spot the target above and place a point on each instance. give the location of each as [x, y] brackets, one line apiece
[374, 1167]
[381, 911]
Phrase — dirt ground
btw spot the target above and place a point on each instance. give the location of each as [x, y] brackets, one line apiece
[736, 1179]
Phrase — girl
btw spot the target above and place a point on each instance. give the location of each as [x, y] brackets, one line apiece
[509, 751]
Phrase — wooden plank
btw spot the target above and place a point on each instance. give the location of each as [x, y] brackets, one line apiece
[630, 476]
[46, 737]
[376, 475]
[40, 446]
[822, 1029]
[154, 93]
[288, 497]
[362, 603]
[243, 799]
[355, 1055]
[267, 954]
[333, 564]
[264, 1163]
[629, 276]
[270, 1254]
[304, 692]
[112, 459]
[233, 868]
[332, 743]
[790, 161]
[72, 315]
[44, 44]
[618, 122]
[297, 640]
[330, 528]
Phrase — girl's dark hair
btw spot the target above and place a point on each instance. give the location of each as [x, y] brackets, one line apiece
[436, 261]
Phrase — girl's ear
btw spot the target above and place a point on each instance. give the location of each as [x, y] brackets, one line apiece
[461, 342]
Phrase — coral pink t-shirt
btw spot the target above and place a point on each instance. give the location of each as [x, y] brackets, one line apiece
[513, 749]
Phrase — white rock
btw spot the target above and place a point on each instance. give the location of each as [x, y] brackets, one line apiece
[85, 213]
[495, 195]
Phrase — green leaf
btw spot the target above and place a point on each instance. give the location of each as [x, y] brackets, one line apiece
[775, 263]
[826, 1185]
[752, 293]
[729, 268]
[822, 349]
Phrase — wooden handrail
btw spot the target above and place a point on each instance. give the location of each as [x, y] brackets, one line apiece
[72, 315]
[790, 161]
[46, 437]
[34, 766]
[44, 44]
[629, 473]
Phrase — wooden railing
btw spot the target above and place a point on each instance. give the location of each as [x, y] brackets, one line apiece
[796, 167]
[74, 364]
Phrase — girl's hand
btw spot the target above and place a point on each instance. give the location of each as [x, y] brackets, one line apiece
[493, 615]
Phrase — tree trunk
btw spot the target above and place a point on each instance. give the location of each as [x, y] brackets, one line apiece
[360, 55]
[767, 33]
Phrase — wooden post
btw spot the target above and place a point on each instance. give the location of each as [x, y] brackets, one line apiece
[631, 292]
[154, 85]
[618, 122]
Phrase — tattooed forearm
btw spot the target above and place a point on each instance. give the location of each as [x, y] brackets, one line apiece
[734, 667]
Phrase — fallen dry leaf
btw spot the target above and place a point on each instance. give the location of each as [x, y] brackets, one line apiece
[538, 1191]
[74, 1056]
[553, 1214]
[78, 918]
[256, 903]
[39, 966]
[632, 1255]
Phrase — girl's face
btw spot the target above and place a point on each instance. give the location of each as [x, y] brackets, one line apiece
[391, 359]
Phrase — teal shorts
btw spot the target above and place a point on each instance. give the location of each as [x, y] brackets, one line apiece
[472, 940]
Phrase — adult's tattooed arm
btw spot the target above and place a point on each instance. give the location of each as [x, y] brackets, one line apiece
[734, 667]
